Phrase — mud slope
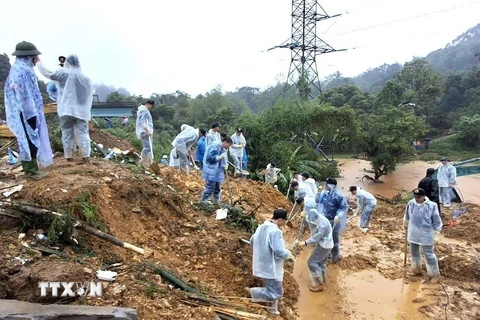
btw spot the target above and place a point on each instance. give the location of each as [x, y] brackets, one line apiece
[151, 212]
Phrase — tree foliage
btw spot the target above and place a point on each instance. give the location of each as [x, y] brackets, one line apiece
[386, 137]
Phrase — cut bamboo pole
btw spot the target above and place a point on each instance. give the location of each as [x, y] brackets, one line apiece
[78, 225]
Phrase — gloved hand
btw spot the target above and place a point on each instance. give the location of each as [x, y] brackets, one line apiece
[302, 244]
[303, 214]
[291, 257]
[221, 157]
[243, 145]
[335, 220]
[225, 169]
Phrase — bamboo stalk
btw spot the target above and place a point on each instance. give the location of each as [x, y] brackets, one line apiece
[238, 313]
[29, 210]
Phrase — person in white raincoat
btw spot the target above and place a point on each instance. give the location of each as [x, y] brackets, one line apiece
[305, 176]
[424, 225]
[302, 189]
[321, 238]
[74, 105]
[144, 130]
[366, 203]
[447, 179]
[269, 253]
[213, 135]
[174, 160]
[236, 150]
[183, 142]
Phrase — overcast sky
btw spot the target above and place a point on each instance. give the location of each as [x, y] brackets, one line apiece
[191, 45]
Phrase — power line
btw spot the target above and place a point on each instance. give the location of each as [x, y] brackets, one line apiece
[406, 19]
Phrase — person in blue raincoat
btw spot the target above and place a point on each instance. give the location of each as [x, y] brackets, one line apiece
[24, 111]
[320, 199]
[244, 162]
[335, 210]
[423, 224]
[201, 146]
[215, 167]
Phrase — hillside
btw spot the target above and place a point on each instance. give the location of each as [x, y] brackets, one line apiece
[459, 55]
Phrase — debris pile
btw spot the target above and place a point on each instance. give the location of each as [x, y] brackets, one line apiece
[154, 213]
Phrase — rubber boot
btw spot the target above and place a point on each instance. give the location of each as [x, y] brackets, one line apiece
[316, 283]
[27, 168]
[433, 272]
[35, 173]
[274, 307]
[416, 267]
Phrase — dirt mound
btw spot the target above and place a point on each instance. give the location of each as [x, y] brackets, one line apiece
[467, 227]
[357, 262]
[154, 213]
[255, 196]
[108, 140]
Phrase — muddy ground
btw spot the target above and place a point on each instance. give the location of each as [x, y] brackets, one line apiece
[158, 213]
[154, 213]
[382, 250]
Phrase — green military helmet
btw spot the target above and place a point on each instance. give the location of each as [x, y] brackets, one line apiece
[25, 48]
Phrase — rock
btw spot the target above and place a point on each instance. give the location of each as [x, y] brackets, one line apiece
[87, 270]
[14, 309]
[136, 210]
[11, 246]
[107, 179]
[419, 300]
[118, 289]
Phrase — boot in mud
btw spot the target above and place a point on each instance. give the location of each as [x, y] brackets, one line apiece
[274, 308]
[319, 288]
[433, 273]
[415, 272]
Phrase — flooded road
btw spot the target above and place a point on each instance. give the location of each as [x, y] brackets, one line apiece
[406, 177]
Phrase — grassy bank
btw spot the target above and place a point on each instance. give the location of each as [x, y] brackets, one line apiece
[447, 147]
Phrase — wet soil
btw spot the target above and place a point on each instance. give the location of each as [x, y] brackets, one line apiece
[155, 213]
[108, 140]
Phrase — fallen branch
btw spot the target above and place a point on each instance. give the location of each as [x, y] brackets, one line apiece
[179, 283]
[51, 251]
[29, 210]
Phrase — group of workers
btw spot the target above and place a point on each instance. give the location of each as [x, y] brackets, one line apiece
[70, 88]
[324, 212]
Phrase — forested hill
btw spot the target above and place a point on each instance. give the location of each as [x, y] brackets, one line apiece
[458, 56]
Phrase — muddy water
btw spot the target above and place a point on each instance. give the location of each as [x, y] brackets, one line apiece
[406, 177]
[364, 295]
[367, 295]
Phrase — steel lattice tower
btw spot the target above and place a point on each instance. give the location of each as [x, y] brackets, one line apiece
[305, 46]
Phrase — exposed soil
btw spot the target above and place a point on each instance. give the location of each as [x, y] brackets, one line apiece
[154, 213]
[108, 140]
[158, 213]
[382, 249]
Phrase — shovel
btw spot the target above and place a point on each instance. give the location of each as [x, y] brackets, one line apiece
[294, 206]
[244, 172]
[154, 166]
[229, 189]
[194, 164]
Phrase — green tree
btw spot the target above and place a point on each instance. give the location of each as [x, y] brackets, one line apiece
[469, 131]
[386, 136]
[424, 86]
